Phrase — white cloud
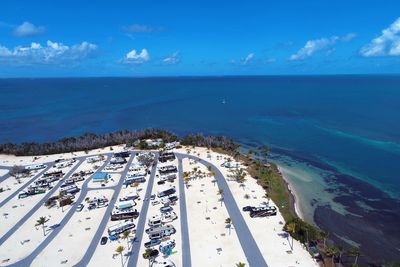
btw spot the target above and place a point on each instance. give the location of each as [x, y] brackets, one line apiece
[135, 58]
[387, 44]
[313, 46]
[248, 59]
[172, 60]
[28, 29]
[52, 53]
[138, 28]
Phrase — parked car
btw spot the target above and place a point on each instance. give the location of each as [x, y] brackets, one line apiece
[152, 243]
[160, 182]
[153, 196]
[155, 202]
[103, 240]
[79, 208]
[166, 209]
[173, 199]
[154, 253]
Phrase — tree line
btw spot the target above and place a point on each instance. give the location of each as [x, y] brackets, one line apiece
[89, 141]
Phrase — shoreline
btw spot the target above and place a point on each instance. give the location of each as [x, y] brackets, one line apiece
[293, 196]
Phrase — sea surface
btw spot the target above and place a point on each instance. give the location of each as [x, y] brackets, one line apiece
[337, 138]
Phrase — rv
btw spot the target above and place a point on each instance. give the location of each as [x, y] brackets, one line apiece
[35, 167]
[124, 154]
[120, 228]
[93, 159]
[167, 156]
[131, 180]
[166, 192]
[169, 146]
[117, 160]
[160, 232]
[55, 173]
[122, 205]
[64, 163]
[70, 189]
[169, 177]
[131, 196]
[167, 169]
[155, 221]
[167, 247]
[125, 214]
[137, 172]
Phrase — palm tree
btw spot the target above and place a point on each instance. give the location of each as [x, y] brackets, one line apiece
[126, 235]
[324, 235]
[42, 222]
[147, 255]
[228, 222]
[240, 264]
[221, 193]
[240, 175]
[119, 250]
[136, 185]
[331, 252]
[340, 250]
[186, 181]
[291, 229]
[354, 252]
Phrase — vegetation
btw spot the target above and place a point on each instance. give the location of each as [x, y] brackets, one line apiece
[147, 255]
[354, 252]
[42, 222]
[240, 264]
[120, 250]
[126, 235]
[239, 175]
[228, 222]
[220, 142]
[85, 142]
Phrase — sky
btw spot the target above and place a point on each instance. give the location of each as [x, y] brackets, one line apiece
[184, 38]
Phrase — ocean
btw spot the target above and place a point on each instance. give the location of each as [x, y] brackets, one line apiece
[337, 138]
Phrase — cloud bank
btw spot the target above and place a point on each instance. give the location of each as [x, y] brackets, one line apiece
[387, 44]
[53, 53]
[27, 29]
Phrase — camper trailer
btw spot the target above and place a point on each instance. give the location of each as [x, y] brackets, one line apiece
[125, 214]
[166, 192]
[120, 228]
[93, 159]
[160, 232]
[35, 167]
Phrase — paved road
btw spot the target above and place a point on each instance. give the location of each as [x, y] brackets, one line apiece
[186, 256]
[5, 176]
[249, 245]
[38, 205]
[132, 261]
[100, 230]
[28, 260]
[48, 165]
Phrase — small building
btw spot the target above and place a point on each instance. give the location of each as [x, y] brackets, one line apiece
[100, 177]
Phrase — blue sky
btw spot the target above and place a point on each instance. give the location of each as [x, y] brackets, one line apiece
[171, 38]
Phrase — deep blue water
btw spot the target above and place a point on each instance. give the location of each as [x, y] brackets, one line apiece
[352, 122]
[347, 123]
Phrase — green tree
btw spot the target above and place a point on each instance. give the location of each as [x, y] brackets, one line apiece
[354, 252]
[332, 252]
[147, 255]
[240, 264]
[42, 222]
[136, 185]
[291, 229]
[228, 222]
[120, 250]
[221, 194]
[239, 175]
[126, 235]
